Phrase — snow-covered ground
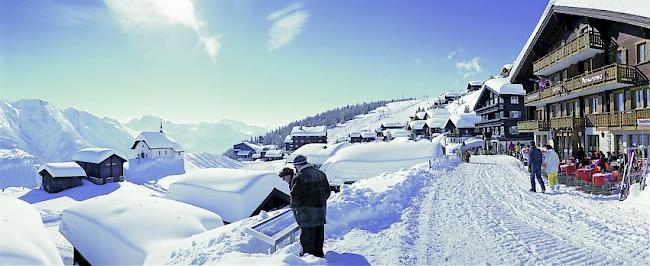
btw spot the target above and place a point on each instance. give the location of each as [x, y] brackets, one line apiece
[473, 213]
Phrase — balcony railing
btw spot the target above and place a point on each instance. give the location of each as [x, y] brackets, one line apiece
[586, 40]
[617, 119]
[606, 75]
[532, 126]
[567, 122]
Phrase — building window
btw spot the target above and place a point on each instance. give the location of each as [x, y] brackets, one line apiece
[515, 114]
[620, 57]
[641, 53]
[594, 105]
[638, 99]
[513, 130]
[514, 100]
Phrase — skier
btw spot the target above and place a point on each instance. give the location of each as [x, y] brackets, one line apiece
[552, 163]
[535, 164]
[309, 193]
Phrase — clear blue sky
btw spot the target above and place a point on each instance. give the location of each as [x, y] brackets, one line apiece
[262, 62]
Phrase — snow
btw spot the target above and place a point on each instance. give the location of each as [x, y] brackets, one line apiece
[368, 134]
[234, 194]
[475, 83]
[366, 160]
[66, 169]
[464, 120]
[392, 124]
[96, 155]
[309, 131]
[274, 154]
[464, 103]
[197, 160]
[397, 133]
[318, 153]
[355, 134]
[131, 230]
[23, 237]
[158, 140]
[149, 171]
[502, 86]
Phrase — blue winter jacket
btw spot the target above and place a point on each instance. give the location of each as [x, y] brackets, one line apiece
[535, 158]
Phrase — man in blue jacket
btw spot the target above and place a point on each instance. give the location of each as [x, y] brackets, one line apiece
[535, 161]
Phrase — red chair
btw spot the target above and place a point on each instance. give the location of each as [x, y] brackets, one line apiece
[616, 176]
[599, 181]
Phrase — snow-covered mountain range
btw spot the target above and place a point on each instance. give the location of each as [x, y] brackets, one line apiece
[35, 131]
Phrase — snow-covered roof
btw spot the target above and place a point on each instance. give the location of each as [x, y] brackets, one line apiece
[355, 134]
[274, 153]
[452, 94]
[503, 86]
[253, 146]
[66, 169]
[465, 120]
[131, 227]
[318, 153]
[157, 140]
[475, 83]
[96, 155]
[420, 115]
[288, 139]
[309, 131]
[392, 124]
[397, 132]
[466, 102]
[24, 240]
[232, 193]
[244, 153]
[438, 112]
[417, 124]
[371, 159]
[634, 12]
[368, 134]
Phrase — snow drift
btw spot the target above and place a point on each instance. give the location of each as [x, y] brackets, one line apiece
[128, 230]
[232, 193]
[371, 159]
[24, 240]
[318, 153]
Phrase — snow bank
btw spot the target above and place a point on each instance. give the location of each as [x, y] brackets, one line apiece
[141, 171]
[23, 237]
[371, 159]
[318, 153]
[640, 201]
[232, 193]
[112, 230]
[375, 203]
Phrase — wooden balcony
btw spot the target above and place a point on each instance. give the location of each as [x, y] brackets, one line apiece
[567, 122]
[609, 77]
[617, 119]
[585, 46]
[532, 126]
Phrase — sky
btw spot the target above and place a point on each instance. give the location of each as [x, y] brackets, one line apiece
[262, 62]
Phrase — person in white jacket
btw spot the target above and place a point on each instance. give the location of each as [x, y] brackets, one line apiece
[551, 164]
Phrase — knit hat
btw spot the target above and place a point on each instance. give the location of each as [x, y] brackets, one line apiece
[299, 160]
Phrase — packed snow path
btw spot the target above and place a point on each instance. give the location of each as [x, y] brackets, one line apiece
[483, 213]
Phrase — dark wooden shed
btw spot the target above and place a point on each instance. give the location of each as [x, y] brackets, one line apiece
[56, 177]
[101, 165]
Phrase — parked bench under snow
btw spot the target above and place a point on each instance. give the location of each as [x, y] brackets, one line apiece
[111, 230]
[362, 161]
[23, 239]
[234, 194]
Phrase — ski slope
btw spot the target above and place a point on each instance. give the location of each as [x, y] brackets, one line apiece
[483, 213]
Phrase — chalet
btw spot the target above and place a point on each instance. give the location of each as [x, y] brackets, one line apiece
[288, 143]
[436, 120]
[151, 145]
[272, 155]
[355, 137]
[585, 71]
[101, 165]
[500, 106]
[57, 177]
[474, 85]
[419, 129]
[301, 135]
[452, 96]
[247, 150]
[368, 136]
[461, 126]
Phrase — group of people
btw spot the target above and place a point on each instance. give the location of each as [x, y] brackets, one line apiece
[309, 193]
[551, 163]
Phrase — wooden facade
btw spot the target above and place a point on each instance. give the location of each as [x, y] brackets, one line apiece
[597, 72]
[57, 184]
[499, 115]
[109, 170]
